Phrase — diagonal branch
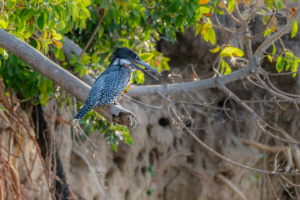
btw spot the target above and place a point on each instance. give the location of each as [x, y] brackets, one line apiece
[62, 78]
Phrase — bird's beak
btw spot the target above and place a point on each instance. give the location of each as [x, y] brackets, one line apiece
[147, 66]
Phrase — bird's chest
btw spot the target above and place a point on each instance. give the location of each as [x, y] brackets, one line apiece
[115, 84]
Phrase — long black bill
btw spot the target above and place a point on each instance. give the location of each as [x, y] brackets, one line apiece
[148, 67]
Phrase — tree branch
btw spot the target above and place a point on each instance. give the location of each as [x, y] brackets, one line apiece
[62, 78]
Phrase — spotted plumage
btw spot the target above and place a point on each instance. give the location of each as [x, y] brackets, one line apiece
[112, 82]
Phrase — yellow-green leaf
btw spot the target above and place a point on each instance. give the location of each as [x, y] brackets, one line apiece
[280, 64]
[231, 5]
[267, 32]
[212, 36]
[294, 28]
[57, 37]
[294, 68]
[146, 56]
[3, 24]
[225, 69]
[232, 51]
[205, 28]
[216, 49]
[198, 28]
[270, 58]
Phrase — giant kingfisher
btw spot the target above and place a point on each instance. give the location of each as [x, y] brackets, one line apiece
[112, 82]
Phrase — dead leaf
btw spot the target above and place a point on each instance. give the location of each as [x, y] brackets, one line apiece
[57, 43]
[203, 2]
[207, 14]
[31, 20]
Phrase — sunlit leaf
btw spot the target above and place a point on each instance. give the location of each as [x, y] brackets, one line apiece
[146, 56]
[212, 36]
[10, 4]
[229, 51]
[216, 49]
[267, 32]
[205, 28]
[225, 69]
[198, 28]
[274, 50]
[294, 68]
[280, 64]
[294, 29]
[231, 5]
[270, 58]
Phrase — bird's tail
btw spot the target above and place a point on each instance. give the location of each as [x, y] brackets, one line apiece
[83, 111]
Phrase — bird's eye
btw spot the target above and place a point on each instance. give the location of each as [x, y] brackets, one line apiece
[132, 56]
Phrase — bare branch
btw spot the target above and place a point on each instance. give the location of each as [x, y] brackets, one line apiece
[262, 30]
[231, 16]
[179, 122]
[264, 147]
[232, 186]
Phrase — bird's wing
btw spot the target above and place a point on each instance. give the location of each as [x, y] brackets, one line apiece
[96, 89]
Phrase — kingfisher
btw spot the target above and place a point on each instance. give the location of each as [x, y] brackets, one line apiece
[112, 82]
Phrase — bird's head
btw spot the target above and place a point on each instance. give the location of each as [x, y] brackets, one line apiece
[130, 59]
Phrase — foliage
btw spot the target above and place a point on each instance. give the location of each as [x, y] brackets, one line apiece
[130, 23]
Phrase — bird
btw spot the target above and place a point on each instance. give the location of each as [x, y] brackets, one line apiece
[112, 82]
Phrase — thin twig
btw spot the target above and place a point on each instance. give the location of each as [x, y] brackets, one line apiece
[232, 186]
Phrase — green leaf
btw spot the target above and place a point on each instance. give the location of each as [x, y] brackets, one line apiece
[190, 10]
[179, 20]
[199, 28]
[204, 10]
[139, 77]
[270, 4]
[42, 85]
[212, 36]
[225, 69]
[42, 20]
[11, 4]
[44, 97]
[29, 32]
[59, 54]
[287, 66]
[95, 59]
[274, 50]
[3, 24]
[173, 7]
[280, 64]
[57, 37]
[85, 59]
[278, 4]
[231, 5]
[232, 51]
[46, 47]
[128, 139]
[294, 28]
[114, 147]
[26, 14]
[267, 32]
[74, 60]
[146, 56]
[294, 68]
